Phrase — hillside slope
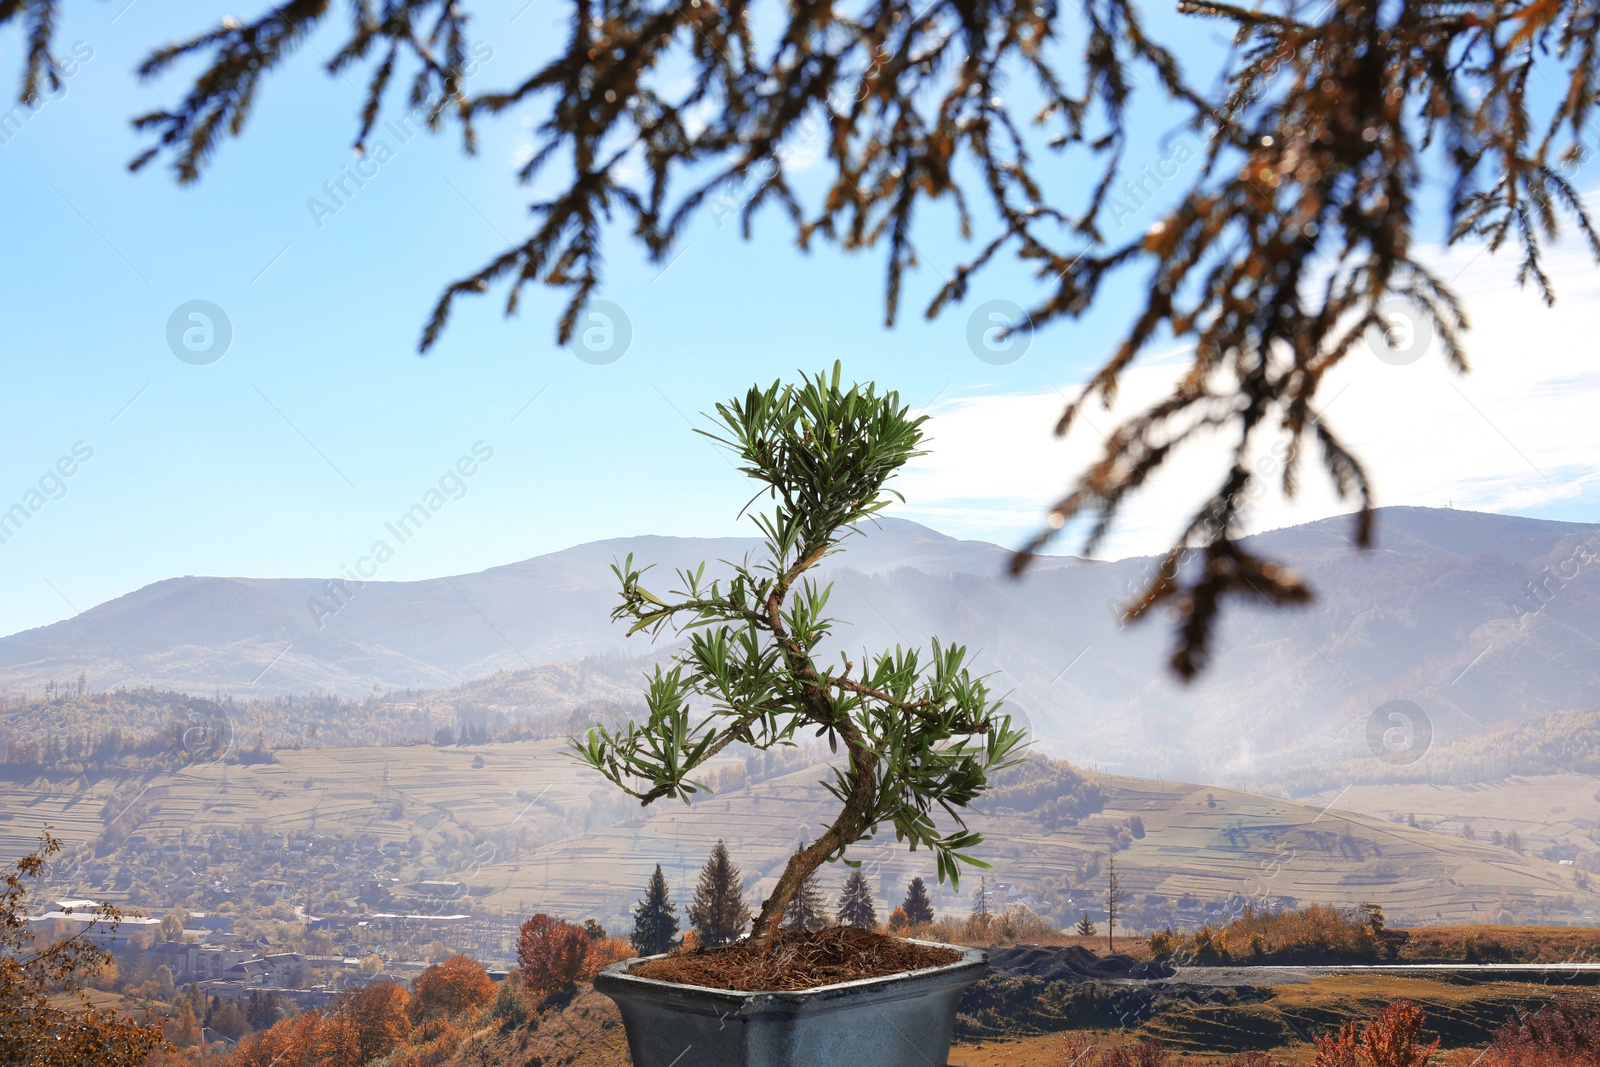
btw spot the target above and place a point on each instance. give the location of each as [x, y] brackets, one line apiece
[529, 829]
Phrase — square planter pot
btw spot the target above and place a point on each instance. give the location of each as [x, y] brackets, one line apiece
[899, 1020]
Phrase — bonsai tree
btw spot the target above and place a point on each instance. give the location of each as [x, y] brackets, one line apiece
[919, 731]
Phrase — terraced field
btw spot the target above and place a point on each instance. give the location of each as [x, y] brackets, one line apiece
[1560, 812]
[1211, 843]
[71, 807]
[531, 829]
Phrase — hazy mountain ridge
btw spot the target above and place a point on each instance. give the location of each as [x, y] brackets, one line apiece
[1559, 743]
[1439, 613]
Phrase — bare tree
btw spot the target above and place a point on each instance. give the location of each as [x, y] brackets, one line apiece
[1114, 900]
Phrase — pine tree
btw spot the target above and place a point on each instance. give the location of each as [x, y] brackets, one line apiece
[917, 906]
[719, 913]
[806, 909]
[655, 920]
[855, 903]
[980, 905]
[1085, 926]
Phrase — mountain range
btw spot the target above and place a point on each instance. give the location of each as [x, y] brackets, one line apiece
[1477, 620]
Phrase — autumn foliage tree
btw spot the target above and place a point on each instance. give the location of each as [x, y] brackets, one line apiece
[551, 954]
[290, 1043]
[381, 1015]
[605, 950]
[457, 985]
[45, 1018]
[365, 1027]
[338, 1042]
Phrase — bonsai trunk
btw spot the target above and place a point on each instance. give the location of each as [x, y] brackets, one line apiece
[846, 830]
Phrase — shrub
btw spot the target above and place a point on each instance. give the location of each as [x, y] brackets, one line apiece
[602, 953]
[1164, 944]
[1210, 946]
[439, 1045]
[1318, 932]
[1338, 1049]
[1393, 1039]
[1017, 925]
[1562, 1036]
[1148, 1052]
[1077, 1050]
[511, 1005]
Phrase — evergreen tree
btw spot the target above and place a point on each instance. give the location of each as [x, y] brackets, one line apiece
[655, 920]
[855, 903]
[980, 904]
[806, 909]
[917, 906]
[718, 913]
[1085, 926]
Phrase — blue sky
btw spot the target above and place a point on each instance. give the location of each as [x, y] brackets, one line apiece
[286, 456]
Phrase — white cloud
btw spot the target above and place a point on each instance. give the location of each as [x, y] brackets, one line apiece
[1521, 431]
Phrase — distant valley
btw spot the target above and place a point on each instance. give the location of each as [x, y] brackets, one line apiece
[525, 829]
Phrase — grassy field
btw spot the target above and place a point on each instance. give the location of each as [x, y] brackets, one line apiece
[1504, 944]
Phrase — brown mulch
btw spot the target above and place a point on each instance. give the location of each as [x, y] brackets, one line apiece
[798, 961]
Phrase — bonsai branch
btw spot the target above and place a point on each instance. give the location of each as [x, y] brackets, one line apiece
[915, 707]
[846, 830]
